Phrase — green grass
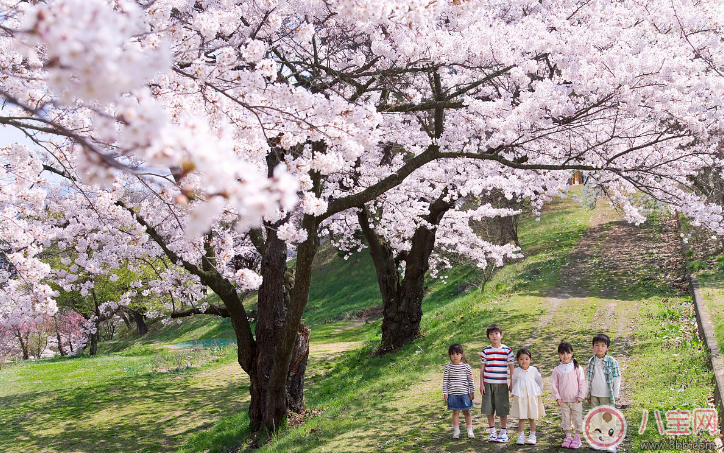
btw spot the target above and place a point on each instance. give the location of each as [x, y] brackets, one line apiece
[712, 286]
[141, 396]
[190, 329]
[112, 403]
[340, 287]
[364, 400]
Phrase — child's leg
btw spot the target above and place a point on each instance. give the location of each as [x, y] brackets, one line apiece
[566, 418]
[521, 425]
[531, 421]
[456, 424]
[491, 421]
[468, 418]
[503, 422]
[577, 417]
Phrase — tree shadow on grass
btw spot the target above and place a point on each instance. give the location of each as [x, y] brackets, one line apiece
[146, 413]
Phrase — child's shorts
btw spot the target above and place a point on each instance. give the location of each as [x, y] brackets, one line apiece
[459, 402]
[496, 400]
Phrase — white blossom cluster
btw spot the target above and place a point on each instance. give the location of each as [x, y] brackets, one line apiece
[180, 127]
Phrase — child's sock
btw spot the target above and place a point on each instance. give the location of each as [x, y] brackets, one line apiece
[491, 430]
[456, 430]
[578, 436]
[568, 435]
[532, 433]
[470, 429]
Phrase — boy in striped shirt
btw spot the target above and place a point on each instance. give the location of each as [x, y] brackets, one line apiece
[497, 364]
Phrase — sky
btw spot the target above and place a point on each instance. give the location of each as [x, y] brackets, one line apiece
[10, 135]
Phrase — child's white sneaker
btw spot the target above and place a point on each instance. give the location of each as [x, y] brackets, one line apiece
[470, 433]
[456, 433]
[521, 439]
[492, 437]
[502, 436]
[531, 439]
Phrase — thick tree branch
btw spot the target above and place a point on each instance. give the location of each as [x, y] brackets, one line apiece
[210, 310]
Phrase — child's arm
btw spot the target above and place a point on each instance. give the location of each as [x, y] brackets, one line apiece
[471, 384]
[554, 387]
[588, 367]
[511, 368]
[616, 380]
[445, 377]
[482, 372]
[511, 373]
[582, 385]
[538, 380]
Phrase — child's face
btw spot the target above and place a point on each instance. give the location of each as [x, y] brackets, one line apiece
[600, 349]
[566, 357]
[456, 357]
[524, 361]
[495, 337]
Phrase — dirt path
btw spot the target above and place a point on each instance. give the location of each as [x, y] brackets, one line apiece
[572, 276]
[594, 293]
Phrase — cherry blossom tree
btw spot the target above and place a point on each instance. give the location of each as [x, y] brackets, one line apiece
[217, 135]
[70, 336]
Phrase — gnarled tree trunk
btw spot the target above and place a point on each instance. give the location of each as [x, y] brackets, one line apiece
[297, 368]
[402, 296]
[139, 319]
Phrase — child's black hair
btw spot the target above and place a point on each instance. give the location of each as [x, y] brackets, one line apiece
[601, 338]
[522, 351]
[457, 348]
[566, 347]
[493, 328]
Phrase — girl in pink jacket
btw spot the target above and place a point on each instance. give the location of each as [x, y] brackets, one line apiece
[569, 388]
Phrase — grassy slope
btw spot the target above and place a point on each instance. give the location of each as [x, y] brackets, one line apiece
[359, 393]
[393, 403]
[130, 401]
[706, 261]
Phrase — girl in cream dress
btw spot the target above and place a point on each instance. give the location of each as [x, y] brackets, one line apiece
[526, 388]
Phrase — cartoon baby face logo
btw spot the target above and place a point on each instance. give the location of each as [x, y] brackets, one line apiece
[604, 427]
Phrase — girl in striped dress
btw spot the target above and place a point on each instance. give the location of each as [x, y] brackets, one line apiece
[458, 388]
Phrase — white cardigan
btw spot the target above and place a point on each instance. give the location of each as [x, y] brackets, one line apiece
[529, 379]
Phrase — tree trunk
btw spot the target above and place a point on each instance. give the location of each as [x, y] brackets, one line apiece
[139, 319]
[297, 368]
[509, 229]
[57, 335]
[95, 336]
[94, 343]
[23, 345]
[402, 297]
[265, 357]
[268, 402]
[125, 319]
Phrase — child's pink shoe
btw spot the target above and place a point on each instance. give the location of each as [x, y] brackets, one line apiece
[576, 442]
[567, 442]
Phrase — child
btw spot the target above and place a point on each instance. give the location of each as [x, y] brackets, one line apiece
[497, 360]
[604, 375]
[569, 388]
[458, 388]
[527, 386]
